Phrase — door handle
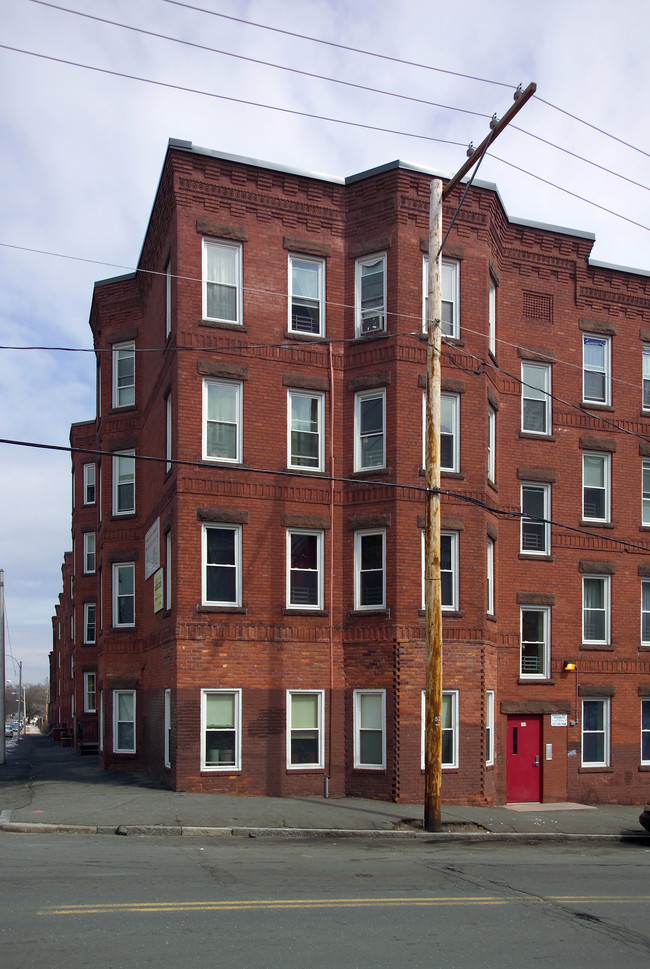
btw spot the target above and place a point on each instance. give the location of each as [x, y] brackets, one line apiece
[537, 761]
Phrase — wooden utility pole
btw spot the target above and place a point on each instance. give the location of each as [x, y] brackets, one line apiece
[432, 587]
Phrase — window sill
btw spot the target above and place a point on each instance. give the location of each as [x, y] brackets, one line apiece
[458, 475]
[369, 769]
[222, 325]
[587, 523]
[125, 409]
[373, 335]
[305, 337]
[535, 681]
[644, 768]
[446, 613]
[304, 768]
[585, 769]
[239, 610]
[491, 617]
[644, 647]
[312, 472]
[532, 436]
[122, 629]
[532, 557]
[593, 647]
[298, 611]
[595, 405]
[493, 485]
[361, 613]
[368, 472]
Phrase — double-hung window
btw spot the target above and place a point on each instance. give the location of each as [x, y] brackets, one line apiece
[370, 299]
[646, 378]
[492, 441]
[221, 730]
[489, 728]
[168, 297]
[90, 623]
[450, 432]
[449, 729]
[370, 430]
[89, 552]
[595, 486]
[90, 472]
[222, 421]
[535, 642]
[124, 483]
[305, 734]
[596, 597]
[536, 398]
[492, 317]
[535, 515]
[448, 570]
[450, 286]
[596, 373]
[645, 493]
[645, 731]
[490, 577]
[222, 281]
[124, 594]
[124, 375]
[90, 692]
[124, 721]
[167, 727]
[222, 565]
[304, 569]
[595, 732]
[306, 438]
[370, 570]
[307, 295]
[645, 612]
[370, 728]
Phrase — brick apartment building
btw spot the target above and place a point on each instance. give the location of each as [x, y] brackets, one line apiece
[243, 605]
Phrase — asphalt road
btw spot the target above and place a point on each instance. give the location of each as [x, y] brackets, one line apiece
[108, 902]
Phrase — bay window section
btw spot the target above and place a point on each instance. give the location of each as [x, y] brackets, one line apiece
[370, 294]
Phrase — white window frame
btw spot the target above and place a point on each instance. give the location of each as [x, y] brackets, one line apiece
[90, 695]
[296, 461]
[90, 607]
[117, 569]
[167, 727]
[605, 581]
[602, 368]
[645, 493]
[489, 728]
[543, 644]
[645, 612]
[603, 731]
[234, 728]
[237, 423]
[319, 696]
[122, 462]
[359, 436]
[233, 249]
[359, 537]
[451, 428]
[492, 316]
[236, 565]
[90, 484]
[645, 363]
[116, 722]
[452, 698]
[492, 444]
[123, 384]
[450, 287]
[451, 540]
[359, 727]
[168, 297]
[490, 576]
[314, 303]
[532, 522]
[533, 393]
[589, 460]
[645, 730]
[90, 553]
[168, 572]
[370, 319]
[318, 571]
[168, 433]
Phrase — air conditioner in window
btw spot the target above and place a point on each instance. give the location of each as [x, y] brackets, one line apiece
[369, 324]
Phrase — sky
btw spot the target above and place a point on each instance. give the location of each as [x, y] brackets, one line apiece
[88, 108]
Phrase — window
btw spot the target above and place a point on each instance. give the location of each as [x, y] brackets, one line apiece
[306, 438]
[595, 732]
[492, 317]
[645, 613]
[124, 483]
[536, 398]
[595, 487]
[167, 728]
[646, 377]
[168, 563]
[222, 565]
[449, 432]
[535, 642]
[222, 282]
[370, 294]
[124, 594]
[370, 728]
[222, 421]
[535, 514]
[595, 608]
[307, 295]
[90, 693]
[489, 728]
[369, 570]
[90, 624]
[645, 493]
[450, 285]
[370, 424]
[490, 576]
[124, 721]
[89, 484]
[168, 433]
[305, 742]
[492, 437]
[596, 369]
[645, 731]
[448, 570]
[221, 730]
[304, 569]
[89, 552]
[124, 375]
[168, 298]
[449, 720]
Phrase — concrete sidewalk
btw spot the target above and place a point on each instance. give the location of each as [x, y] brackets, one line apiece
[45, 787]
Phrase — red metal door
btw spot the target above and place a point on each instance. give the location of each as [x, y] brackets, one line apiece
[524, 764]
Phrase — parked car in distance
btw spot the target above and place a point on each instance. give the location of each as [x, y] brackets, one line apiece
[9, 730]
[644, 817]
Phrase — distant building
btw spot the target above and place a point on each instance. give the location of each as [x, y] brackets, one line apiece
[246, 614]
